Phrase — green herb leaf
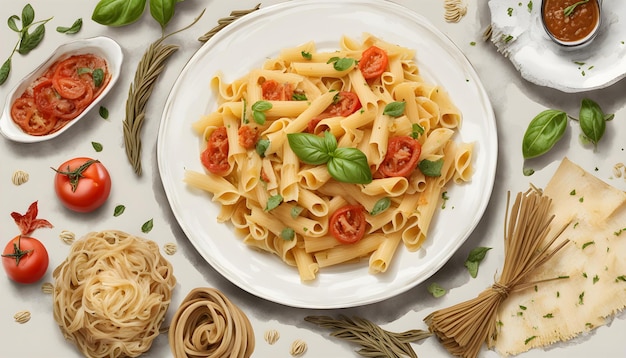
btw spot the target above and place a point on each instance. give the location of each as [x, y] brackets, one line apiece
[119, 210]
[588, 243]
[528, 172]
[592, 120]
[147, 226]
[259, 117]
[98, 77]
[96, 146]
[273, 202]
[31, 40]
[474, 258]
[296, 211]
[104, 112]
[261, 146]
[287, 234]
[261, 106]
[311, 149]
[431, 168]
[5, 70]
[118, 12]
[529, 339]
[306, 55]
[349, 165]
[28, 15]
[12, 24]
[76, 26]
[298, 96]
[543, 132]
[162, 11]
[436, 290]
[381, 205]
[568, 11]
[394, 109]
[342, 64]
[416, 130]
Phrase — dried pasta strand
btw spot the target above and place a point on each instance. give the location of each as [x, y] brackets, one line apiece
[463, 328]
[223, 22]
[150, 66]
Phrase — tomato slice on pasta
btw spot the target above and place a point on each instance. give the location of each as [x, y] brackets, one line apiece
[373, 62]
[347, 224]
[215, 156]
[401, 158]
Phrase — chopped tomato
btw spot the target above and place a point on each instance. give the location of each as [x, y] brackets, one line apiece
[248, 137]
[401, 158]
[373, 62]
[274, 91]
[347, 224]
[215, 156]
[345, 104]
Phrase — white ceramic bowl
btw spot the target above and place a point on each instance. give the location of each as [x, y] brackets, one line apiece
[101, 46]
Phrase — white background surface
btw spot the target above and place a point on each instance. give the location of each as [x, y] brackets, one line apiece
[515, 102]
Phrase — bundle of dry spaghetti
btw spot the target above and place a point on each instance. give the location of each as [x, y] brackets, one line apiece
[208, 324]
[111, 294]
[463, 328]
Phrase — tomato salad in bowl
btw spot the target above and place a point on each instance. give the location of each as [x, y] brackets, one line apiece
[62, 90]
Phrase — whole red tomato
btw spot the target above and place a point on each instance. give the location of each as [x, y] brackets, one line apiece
[25, 259]
[82, 184]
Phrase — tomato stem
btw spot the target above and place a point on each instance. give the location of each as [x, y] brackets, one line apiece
[17, 252]
[76, 174]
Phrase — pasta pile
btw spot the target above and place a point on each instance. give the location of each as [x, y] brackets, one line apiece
[254, 179]
[111, 294]
[208, 324]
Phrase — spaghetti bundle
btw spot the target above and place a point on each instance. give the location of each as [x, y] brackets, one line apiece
[111, 294]
[464, 327]
[208, 324]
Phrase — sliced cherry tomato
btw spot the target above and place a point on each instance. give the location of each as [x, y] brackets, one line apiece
[401, 158]
[248, 137]
[25, 259]
[345, 104]
[23, 110]
[68, 87]
[82, 184]
[25, 115]
[274, 91]
[373, 62]
[215, 156]
[347, 224]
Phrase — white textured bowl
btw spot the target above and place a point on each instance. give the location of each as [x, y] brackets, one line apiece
[101, 46]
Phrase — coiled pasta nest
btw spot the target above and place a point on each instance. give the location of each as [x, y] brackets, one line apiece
[111, 294]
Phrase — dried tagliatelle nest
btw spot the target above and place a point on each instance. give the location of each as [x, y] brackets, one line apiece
[208, 324]
[111, 294]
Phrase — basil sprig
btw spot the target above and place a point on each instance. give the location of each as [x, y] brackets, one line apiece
[347, 165]
[543, 132]
[593, 120]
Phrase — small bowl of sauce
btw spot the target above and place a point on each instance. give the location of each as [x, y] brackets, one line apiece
[571, 23]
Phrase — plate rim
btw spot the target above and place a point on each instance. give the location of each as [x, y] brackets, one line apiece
[444, 42]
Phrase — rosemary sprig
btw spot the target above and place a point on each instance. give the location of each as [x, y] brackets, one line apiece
[374, 341]
[223, 22]
[568, 11]
[148, 70]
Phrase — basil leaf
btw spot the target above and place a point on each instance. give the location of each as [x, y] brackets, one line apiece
[98, 77]
[104, 112]
[5, 70]
[592, 120]
[287, 234]
[162, 11]
[436, 290]
[380, 206]
[97, 146]
[416, 130]
[474, 258]
[261, 147]
[543, 132]
[261, 106]
[273, 202]
[307, 55]
[118, 12]
[28, 15]
[119, 210]
[12, 24]
[76, 26]
[30, 40]
[296, 211]
[431, 168]
[330, 141]
[394, 109]
[147, 226]
[349, 165]
[259, 117]
[310, 148]
[343, 64]
[83, 70]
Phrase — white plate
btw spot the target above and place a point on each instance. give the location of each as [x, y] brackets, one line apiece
[102, 46]
[539, 60]
[245, 45]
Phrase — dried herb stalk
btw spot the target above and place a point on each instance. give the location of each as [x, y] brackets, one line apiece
[223, 22]
[148, 70]
[463, 328]
[374, 341]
